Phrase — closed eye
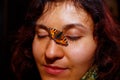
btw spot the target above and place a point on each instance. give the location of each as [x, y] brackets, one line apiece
[73, 38]
[42, 33]
[42, 36]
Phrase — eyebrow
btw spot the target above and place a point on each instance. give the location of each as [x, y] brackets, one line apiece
[41, 26]
[65, 27]
[77, 25]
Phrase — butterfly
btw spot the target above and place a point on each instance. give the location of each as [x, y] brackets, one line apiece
[58, 36]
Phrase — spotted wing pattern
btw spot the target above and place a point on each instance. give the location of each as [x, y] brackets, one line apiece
[58, 36]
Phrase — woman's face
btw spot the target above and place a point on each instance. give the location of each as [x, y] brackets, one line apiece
[59, 62]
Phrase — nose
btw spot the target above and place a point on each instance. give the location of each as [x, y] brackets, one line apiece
[54, 51]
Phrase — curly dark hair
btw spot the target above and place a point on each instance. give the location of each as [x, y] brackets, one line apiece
[107, 55]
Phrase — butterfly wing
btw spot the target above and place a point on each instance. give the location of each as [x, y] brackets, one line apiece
[58, 36]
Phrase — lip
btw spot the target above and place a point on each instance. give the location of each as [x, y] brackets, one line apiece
[54, 70]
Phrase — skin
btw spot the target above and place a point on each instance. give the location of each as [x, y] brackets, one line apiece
[58, 62]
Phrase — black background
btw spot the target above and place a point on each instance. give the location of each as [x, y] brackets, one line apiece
[12, 14]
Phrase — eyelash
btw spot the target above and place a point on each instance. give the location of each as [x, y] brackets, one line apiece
[42, 36]
[73, 38]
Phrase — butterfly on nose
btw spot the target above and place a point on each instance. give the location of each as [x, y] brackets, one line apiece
[58, 36]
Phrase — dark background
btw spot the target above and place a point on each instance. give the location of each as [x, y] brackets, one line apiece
[12, 14]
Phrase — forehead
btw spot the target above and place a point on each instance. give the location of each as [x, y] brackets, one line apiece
[64, 13]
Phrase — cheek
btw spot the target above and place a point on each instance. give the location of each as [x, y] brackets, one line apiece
[82, 52]
[37, 49]
[39, 46]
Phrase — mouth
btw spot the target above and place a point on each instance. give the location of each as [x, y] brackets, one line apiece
[54, 70]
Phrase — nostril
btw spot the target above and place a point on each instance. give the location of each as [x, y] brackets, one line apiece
[51, 60]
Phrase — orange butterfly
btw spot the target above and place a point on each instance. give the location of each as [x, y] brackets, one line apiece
[58, 36]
